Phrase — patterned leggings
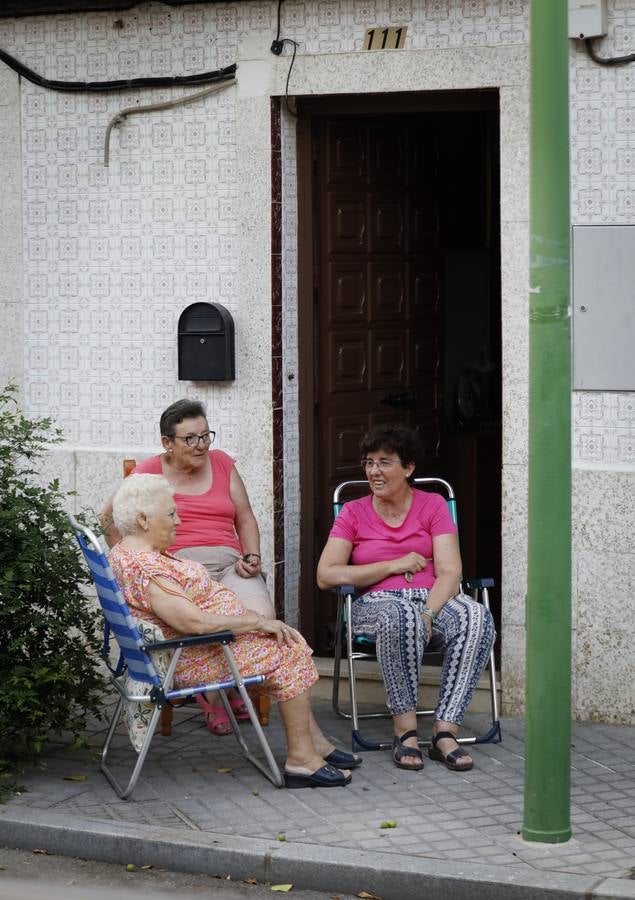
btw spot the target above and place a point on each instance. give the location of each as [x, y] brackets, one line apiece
[464, 629]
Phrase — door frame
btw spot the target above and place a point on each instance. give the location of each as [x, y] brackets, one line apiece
[308, 109]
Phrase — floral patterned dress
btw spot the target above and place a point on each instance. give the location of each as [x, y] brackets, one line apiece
[290, 670]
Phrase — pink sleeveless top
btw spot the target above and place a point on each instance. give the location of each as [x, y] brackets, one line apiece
[207, 520]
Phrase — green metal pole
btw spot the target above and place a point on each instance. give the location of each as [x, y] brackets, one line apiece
[548, 686]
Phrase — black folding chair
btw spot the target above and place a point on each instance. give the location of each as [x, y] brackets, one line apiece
[352, 648]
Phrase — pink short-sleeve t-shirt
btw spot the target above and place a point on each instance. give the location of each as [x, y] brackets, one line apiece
[373, 540]
[207, 520]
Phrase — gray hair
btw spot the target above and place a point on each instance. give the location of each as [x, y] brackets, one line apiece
[138, 494]
[177, 412]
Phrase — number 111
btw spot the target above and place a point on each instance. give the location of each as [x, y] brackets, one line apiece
[390, 38]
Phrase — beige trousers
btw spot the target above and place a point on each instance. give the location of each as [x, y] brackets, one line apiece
[220, 564]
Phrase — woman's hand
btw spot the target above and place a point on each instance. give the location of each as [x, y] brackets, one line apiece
[411, 562]
[284, 634]
[248, 566]
[335, 569]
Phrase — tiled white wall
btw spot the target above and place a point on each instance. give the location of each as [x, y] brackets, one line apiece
[604, 429]
[603, 192]
[290, 378]
[11, 268]
[112, 255]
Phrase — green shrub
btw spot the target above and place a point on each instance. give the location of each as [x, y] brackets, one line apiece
[49, 635]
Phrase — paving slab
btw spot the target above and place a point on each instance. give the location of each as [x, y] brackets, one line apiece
[457, 834]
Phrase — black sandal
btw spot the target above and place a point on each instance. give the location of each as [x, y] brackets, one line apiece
[399, 751]
[449, 759]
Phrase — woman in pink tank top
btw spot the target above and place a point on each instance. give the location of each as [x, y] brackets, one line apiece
[218, 528]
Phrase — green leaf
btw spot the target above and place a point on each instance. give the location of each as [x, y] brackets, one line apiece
[51, 633]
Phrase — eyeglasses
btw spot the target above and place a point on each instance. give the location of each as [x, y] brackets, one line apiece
[382, 464]
[193, 440]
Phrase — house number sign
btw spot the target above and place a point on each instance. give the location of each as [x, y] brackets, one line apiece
[392, 37]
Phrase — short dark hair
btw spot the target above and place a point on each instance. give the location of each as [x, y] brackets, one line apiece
[397, 439]
[174, 414]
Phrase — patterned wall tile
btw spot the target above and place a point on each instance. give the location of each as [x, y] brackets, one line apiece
[113, 254]
[603, 428]
[123, 249]
[289, 366]
[602, 166]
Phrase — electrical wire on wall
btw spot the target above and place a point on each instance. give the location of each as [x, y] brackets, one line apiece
[607, 61]
[277, 47]
[123, 114]
[215, 80]
[226, 74]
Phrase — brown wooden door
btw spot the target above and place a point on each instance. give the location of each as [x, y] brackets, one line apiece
[377, 322]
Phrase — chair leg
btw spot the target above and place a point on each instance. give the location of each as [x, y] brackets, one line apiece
[337, 662]
[166, 721]
[263, 708]
[270, 770]
[167, 714]
[121, 791]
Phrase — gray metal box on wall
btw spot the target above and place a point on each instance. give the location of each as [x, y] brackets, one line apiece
[603, 265]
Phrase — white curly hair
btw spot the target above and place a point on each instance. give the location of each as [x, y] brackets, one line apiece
[138, 494]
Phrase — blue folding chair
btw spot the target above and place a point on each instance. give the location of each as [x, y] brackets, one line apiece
[136, 659]
[353, 647]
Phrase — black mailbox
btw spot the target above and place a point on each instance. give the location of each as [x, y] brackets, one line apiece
[206, 343]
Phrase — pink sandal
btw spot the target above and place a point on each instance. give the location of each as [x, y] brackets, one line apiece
[216, 719]
[239, 709]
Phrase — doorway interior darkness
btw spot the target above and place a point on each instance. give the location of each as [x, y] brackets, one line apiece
[399, 307]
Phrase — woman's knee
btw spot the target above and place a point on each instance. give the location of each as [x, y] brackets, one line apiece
[488, 628]
[481, 622]
[398, 620]
[252, 593]
[291, 682]
[259, 604]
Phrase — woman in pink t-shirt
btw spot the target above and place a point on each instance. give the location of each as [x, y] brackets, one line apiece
[399, 548]
[218, 528]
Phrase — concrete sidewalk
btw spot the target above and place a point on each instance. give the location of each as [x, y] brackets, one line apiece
[456, 835]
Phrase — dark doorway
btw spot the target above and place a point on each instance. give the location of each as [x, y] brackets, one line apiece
[399, 307]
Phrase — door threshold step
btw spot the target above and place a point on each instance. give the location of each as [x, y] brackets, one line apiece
[370, 687]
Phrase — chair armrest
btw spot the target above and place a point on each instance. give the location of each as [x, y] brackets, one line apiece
[219, 637]
[474, 584]
[344, 589]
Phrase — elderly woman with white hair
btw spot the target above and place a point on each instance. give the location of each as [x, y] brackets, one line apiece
[179, 596]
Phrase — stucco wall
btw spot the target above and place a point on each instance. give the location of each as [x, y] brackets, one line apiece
[112, 255]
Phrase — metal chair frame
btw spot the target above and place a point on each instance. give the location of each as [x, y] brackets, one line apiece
[345, 640]
[136, 657]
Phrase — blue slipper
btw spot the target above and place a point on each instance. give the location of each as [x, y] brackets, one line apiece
[343, 760]
[327, 776]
